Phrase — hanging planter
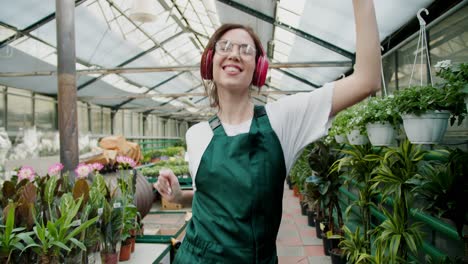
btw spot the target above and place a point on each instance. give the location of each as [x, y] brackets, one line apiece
[427, 128]
[355, 137]
[341, 139]
[381, 134]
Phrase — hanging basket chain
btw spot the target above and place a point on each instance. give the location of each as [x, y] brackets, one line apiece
[422, 45]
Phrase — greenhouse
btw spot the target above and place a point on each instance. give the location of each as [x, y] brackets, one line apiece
[216, 131]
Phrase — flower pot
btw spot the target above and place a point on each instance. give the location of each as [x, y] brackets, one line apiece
[133, 241]
[326, 245]
[337, 257]
[311, 218]
[428, 128]
[381, 134]
[109, 258]
[125, 250]
[356, 138]
[304, 207]
[341, 139]
[296, 191]
[319, 224]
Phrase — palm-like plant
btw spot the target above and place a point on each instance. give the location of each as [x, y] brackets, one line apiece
[399, 166]
[354, 245]
[360, 163]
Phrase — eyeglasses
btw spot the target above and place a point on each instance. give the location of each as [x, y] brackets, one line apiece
[224, 47]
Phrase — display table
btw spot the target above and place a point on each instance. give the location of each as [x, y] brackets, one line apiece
[150, 253]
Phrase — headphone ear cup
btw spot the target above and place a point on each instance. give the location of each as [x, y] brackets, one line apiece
[260, 71]
[206, 67]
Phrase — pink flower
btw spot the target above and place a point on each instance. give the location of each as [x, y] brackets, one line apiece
[96, 166]
[126, 161]
[55, 169]
[83, 170]
[26, 172]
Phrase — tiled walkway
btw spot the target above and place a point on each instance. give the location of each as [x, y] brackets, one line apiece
[297, 242]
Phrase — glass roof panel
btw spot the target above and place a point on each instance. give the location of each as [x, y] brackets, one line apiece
[6, 33]
[23, 13]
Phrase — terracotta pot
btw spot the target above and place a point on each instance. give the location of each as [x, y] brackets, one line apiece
[109, 258]
[125, 250]
[296, 190]
[143, 191]
[133, 240]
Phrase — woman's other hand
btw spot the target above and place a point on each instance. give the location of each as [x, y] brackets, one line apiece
[168, 186]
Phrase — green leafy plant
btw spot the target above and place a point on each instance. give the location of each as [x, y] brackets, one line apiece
[55, 236]
[381, 110]
[420, 99]
[340, 123]
[359, 162]
[393, 179]
[323, 186]
[11, 238]
[354, 245]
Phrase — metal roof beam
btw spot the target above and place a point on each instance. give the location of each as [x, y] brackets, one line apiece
[150, 89]
[287, 27]
[298, 78]
[139, 55]
[119, 69]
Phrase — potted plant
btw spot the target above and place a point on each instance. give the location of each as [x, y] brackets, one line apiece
[396, 235]
[455, 79]
[360, 162]
[323, 187]
[338, 128]
[382, 120]
[356, 132]
[11, 239]
[426, 109]
[354, 245]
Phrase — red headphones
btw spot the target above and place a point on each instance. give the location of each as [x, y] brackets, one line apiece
[259, 77]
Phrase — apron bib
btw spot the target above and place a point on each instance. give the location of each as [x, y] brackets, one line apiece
[237, 207]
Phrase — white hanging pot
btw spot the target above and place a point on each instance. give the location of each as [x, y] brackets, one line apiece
[428, 128]
[381, 134]
[143, 11]
[341, 139]
[356, 138]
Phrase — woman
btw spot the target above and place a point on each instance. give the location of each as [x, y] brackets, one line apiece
[239, 159]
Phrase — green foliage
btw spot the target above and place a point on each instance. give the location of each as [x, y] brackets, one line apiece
[178, 166]
[55, 236]
[301, 169]
[420, 99]
[354, 245]
[399, 166]
[112, 225]
[340, 123]
[11, 238]
[381, 110]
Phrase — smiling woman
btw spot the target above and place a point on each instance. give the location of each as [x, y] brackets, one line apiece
[239, 158]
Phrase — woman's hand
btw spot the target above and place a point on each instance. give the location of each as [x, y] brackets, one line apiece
[168, 186]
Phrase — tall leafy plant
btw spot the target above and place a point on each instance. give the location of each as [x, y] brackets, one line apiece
[399, 166]
[359, 163]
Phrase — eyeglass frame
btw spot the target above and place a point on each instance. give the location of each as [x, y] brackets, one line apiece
[240, 45]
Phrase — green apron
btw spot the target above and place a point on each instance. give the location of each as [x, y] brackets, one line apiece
[237, 207]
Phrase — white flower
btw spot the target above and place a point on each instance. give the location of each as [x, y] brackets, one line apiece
[445, 64]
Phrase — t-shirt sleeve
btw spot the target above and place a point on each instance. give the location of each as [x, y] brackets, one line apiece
[197, 137]
[300, 119]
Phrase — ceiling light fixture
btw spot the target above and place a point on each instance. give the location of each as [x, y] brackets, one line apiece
[142, 11]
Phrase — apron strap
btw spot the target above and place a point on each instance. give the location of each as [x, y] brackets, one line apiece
[259, 111]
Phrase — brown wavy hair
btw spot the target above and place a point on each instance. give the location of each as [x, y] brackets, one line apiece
[210, 86]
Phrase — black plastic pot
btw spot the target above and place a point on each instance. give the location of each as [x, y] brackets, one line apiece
[304, 207]
[326, 245]
[311, 218]
[317, 227]
[337, 258]
[288, 181]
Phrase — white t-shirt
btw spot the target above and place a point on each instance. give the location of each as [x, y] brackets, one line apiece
[297, 120]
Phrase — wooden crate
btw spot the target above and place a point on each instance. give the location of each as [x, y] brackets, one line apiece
[170, 206]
